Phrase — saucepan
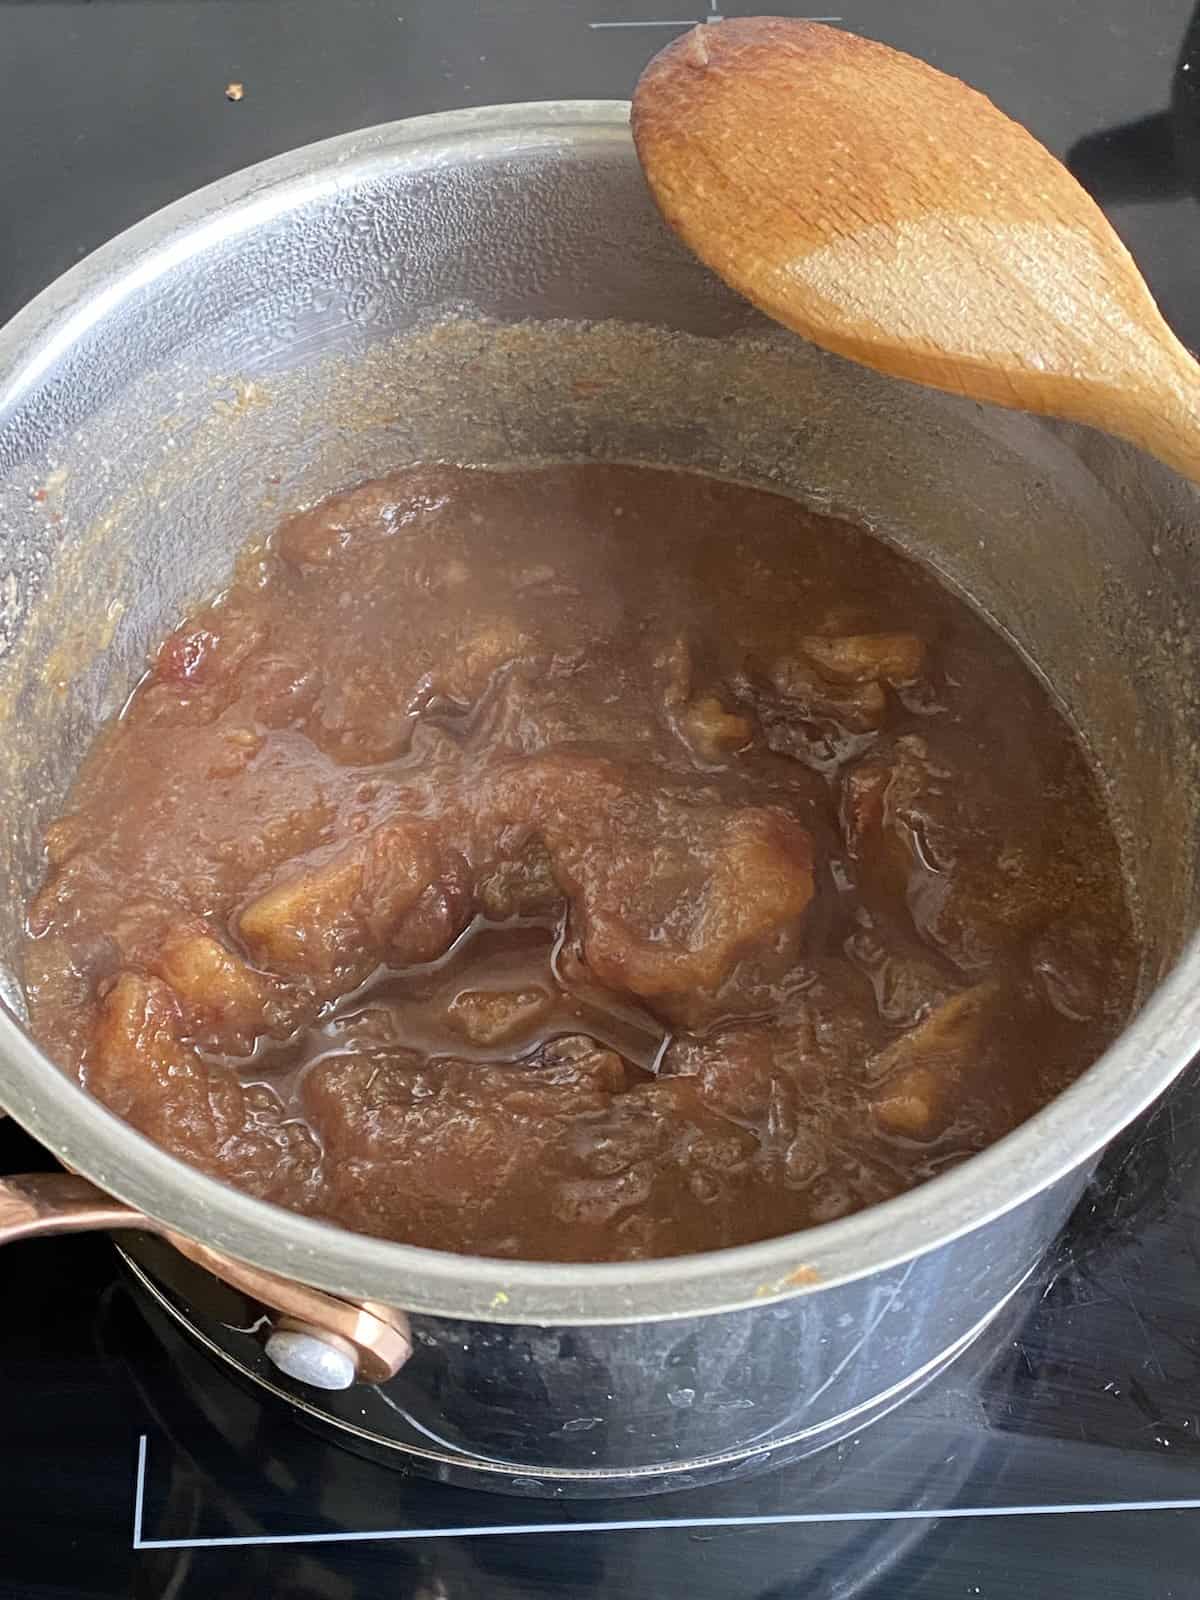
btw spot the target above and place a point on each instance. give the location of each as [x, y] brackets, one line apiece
[485, 286]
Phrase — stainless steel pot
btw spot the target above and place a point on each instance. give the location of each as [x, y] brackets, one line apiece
[363, 303]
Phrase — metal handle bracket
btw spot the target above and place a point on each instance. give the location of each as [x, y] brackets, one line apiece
[40, 1203]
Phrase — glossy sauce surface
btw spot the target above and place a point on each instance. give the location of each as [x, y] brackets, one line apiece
[585, 862]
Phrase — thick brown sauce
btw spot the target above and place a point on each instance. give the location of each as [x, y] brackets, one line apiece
[580, 863]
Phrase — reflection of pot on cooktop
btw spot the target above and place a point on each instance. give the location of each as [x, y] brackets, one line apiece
[227, 1460]
[571, 1413]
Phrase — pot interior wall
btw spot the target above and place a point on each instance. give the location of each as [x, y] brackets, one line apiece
[331, 331]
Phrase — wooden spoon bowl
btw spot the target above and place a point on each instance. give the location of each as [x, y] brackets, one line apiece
[892, 214]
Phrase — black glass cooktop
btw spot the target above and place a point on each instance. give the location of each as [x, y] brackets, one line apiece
[1061, 1457]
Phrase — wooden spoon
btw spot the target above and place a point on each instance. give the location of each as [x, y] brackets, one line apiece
[894, 215]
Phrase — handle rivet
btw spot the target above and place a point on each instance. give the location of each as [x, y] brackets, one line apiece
[311, 1357]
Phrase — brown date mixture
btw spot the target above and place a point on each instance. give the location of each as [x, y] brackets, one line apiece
[585, 862]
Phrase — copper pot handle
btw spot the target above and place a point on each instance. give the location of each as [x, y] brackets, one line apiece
[378, 1337]
[58, 1202]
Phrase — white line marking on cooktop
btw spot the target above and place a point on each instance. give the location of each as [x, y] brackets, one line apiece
[139, 1494]
[691, 22]
[634, 1524]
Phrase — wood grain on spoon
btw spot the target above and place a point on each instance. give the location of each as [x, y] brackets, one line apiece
[892, 214]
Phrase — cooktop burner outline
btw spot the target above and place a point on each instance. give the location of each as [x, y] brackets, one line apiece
[638, 1524]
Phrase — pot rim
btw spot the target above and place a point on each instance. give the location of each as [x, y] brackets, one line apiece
[92, 1140]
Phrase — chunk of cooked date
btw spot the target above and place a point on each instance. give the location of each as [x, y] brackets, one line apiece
[892, 658]
[858, 707]
[839, 1006]
[915, 1106]
[238, 748]
[576, 1057]
[218, 988]
[908, 979]
[669, 888]
[368, 711]
[496, 1016]
[973, 881]
[209, 647]
[305, 923]
[432, 923]
[702, 720]
[920, 1073]
[736, 1069]
[443, 1152]
[713, 732]
[365, 715]
[519, 885]
[330, 921]
[542, 705]
[139, 1065]
[880, 801]
[376, 510]
[659, 1169]
[479, 651]
[680, 917]
[788, 1078]
[224, 1001]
